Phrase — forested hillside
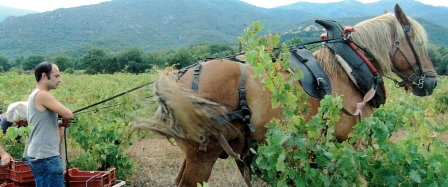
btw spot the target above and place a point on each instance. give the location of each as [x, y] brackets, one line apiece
[150, 25]
[172, 24]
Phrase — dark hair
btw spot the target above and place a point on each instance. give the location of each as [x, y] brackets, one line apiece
[43, 67]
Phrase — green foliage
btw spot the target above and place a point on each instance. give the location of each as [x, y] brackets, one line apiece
[205, 184]
[63, 62]
[14, 140]
[442, 104]
[101, 132]
[94, 61]
[441, 98]
[18, 62]
[135, 60]
[69, 71]
[4, 64]
[189, 55]
[306, 153]
[132, 58]
[31, 62]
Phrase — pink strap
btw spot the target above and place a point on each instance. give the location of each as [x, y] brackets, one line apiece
[369, 95]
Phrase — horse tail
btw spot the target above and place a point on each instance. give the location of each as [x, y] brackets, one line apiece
[183, 114]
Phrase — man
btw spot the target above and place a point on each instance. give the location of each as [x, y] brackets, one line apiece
[43, 110]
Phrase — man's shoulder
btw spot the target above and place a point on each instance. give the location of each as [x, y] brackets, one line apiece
[43, 94]
[43, 97]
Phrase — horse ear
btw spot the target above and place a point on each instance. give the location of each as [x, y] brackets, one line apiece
[401, 17]
[385, 11]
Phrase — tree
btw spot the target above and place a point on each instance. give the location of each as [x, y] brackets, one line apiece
[181, 58]
[31, 62]
[4, 64]
[18, 62]
[155, 58]
[294, 41]
[63, 62]
[92, 62]
[132, 59]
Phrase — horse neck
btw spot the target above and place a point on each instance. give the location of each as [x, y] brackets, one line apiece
[376, 46]
[330, 64]
[341, 84]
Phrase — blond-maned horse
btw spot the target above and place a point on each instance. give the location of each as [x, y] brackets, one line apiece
[191, 117]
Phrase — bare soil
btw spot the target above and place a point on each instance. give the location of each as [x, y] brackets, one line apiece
[157, 163]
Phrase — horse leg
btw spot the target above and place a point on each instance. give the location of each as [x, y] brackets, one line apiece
[198, 164]
[245, 172]
[180, 173]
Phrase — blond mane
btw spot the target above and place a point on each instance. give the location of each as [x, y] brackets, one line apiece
[374, 35]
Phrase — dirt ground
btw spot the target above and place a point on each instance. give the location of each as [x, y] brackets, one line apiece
[158, 162]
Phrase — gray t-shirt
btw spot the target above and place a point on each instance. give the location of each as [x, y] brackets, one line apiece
[44, 138]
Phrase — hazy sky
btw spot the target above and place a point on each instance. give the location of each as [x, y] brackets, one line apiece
[275, 3]
[49, 5]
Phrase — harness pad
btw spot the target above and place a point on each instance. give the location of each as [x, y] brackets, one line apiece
[364, 78]
[315, 81]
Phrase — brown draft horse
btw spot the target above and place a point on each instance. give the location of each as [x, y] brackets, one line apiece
[190, 116]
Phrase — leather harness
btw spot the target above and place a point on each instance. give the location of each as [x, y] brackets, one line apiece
[242, 112]
[359, 69]
[315, 81]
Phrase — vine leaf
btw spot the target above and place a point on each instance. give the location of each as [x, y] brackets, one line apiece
[415, 176]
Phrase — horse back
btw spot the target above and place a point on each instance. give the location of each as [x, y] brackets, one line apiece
[219, 81]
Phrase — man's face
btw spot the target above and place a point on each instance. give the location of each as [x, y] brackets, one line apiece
[55, 78]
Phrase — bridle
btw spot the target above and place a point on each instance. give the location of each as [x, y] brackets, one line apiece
[418, 77]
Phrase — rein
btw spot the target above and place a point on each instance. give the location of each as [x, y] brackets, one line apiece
[113, 97]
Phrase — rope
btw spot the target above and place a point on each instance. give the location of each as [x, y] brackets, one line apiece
[87, 107]
[108, 99]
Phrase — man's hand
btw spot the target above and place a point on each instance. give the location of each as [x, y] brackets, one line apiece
[6, 159]
[64, 123]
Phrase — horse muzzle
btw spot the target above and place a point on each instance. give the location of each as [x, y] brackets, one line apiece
[426, 88]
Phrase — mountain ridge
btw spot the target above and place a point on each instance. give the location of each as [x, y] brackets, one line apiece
[163, 24]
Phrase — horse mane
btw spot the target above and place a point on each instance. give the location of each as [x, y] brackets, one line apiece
[370, 34]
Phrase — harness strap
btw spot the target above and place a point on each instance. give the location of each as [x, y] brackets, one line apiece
[225, 145]
[377, 79]
[182, 71]
[243, 113]
[195, 82]
[419, 64]
[369, 95]
[397, 45]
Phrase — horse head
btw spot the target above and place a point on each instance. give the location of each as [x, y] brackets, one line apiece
[410, 57]
[399, 44]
